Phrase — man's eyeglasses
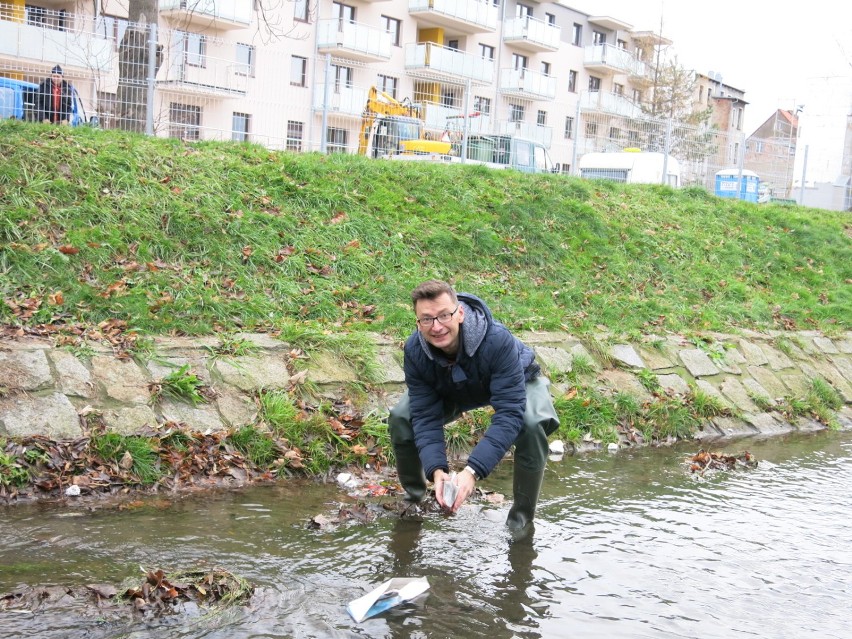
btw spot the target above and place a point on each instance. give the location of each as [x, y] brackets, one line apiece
[443, 318]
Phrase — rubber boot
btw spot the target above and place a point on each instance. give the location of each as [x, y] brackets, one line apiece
[409, 468]
[526, 486]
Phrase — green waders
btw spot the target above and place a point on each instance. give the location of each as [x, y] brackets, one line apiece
[540, 420]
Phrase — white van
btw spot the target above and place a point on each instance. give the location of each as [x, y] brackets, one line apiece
[631, 167]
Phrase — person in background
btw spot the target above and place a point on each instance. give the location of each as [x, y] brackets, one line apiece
[460, 358]
[54, 98]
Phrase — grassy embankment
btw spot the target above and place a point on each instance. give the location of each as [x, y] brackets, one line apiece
[100, 226]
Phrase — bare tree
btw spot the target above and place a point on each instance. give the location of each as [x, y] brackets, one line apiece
[133, 63]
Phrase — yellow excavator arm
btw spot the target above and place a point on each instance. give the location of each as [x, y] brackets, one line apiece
[383, 105]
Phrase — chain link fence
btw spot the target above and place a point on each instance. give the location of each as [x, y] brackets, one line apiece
[182, 84]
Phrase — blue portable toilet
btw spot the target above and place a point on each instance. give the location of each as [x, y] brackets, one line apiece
[727, 180]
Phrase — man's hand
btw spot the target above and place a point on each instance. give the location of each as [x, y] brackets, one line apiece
[465, 484]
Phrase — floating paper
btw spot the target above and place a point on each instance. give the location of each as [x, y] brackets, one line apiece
[391, 593]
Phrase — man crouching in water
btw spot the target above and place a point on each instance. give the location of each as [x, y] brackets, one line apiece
[458, 359]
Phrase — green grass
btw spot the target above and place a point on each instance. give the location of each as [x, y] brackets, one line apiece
[112, 447]
[183, 385]
[222, 238]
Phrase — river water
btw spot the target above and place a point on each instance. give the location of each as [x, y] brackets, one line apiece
[628, 544]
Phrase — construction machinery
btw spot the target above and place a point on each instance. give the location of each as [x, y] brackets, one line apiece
[390, 127]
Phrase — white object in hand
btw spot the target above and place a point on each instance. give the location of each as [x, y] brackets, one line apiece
[450, 490]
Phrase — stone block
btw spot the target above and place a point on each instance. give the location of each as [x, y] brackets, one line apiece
[844, 345]
[73, 378]
[391, 370]
[121, 380]
[767, 423]
[775, 358]
[253, 373]
[834, 376]
[325, 368]
[203, 417]
[166, 365]
[624, 382]
[129, 420]
[51, 415]
[769, 381]
[825, 345]
[554, 360]
[627, 356]
[753, 353]
[674, 383]
[179, 343]
[26, 370]
[656, 359]
[736, 393]
[698, 363]
[708, 388]
[843, 364]
[235, 408]
[798, 385]
[755, 390]
[263, 341]
[732, 427]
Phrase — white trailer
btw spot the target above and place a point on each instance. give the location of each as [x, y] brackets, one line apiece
[632, 168]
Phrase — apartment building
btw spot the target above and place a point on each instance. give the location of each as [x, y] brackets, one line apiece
[295, 74]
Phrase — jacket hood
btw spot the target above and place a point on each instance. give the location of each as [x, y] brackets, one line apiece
[477, 317]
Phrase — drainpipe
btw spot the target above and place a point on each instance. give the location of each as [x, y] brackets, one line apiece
[497, 64]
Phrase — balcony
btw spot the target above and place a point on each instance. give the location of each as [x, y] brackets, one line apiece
[609, 103]
[458, 16]
[353, 41]
[527, 85]
[221, 15]
[340, 99]
[439, 118]
[541, 134]
[530, 34]
[213, 77]
[71, 43]
[610, 60]
[433, 62]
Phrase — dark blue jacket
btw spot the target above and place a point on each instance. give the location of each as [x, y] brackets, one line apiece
[491, 368]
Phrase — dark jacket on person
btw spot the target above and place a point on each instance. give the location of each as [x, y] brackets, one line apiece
[44, 102]
[491, 367]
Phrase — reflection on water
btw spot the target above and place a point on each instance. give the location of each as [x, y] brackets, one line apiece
[626, 545]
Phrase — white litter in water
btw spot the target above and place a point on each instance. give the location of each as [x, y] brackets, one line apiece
[612, 447]
[343, 478]
[557, 447]
[73, 491]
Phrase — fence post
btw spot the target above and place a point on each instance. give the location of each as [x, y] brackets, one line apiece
[152, 78]
[465, 121]
[667, 145]
[323, 132]
[574, 168]
[804, 176]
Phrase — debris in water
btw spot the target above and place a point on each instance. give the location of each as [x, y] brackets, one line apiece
[703, 461]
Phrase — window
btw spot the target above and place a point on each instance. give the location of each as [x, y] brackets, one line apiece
[112, 28]
[483, 105]
[336, 140]
[394, 27]
[301, 10]
[453, 44]
[541, 118]
[294, 135]
[342, 77]
[569, 128]
[388, 84]
[591, 129]
[550, 19]
[545, 68]
[598, 37]
[523, 11]
[572, 81]
[343, 12]
[621, 44]
[195, 49]
[240, 127]
[519, 61]
[516, 113]
[184, 121]
[451, 96]
[245, 59]
[577, 35]
[486, 51]
[637, 96]
[738, 119]
[594, 83]
[758, 147]
[618, 89]
[614, 133]
[298, 71]
[633, 138]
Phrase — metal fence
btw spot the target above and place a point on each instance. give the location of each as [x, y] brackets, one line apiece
[177, 83]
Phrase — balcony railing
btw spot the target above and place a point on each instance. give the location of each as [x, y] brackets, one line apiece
[531, 34]
[460, 16]
[353, 40]
[182, 73]
[535, 132]
[523, 83]
[432, 61]
[340, 99]
[221, 14]
[610, 103]
[606, 58]
[69, 40]
[439, 117]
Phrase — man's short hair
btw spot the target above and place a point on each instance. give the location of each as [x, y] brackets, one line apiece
[432, 289]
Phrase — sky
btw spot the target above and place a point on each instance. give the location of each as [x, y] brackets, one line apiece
[782, 54]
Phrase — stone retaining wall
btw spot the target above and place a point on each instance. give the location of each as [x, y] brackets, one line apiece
[44, 389]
